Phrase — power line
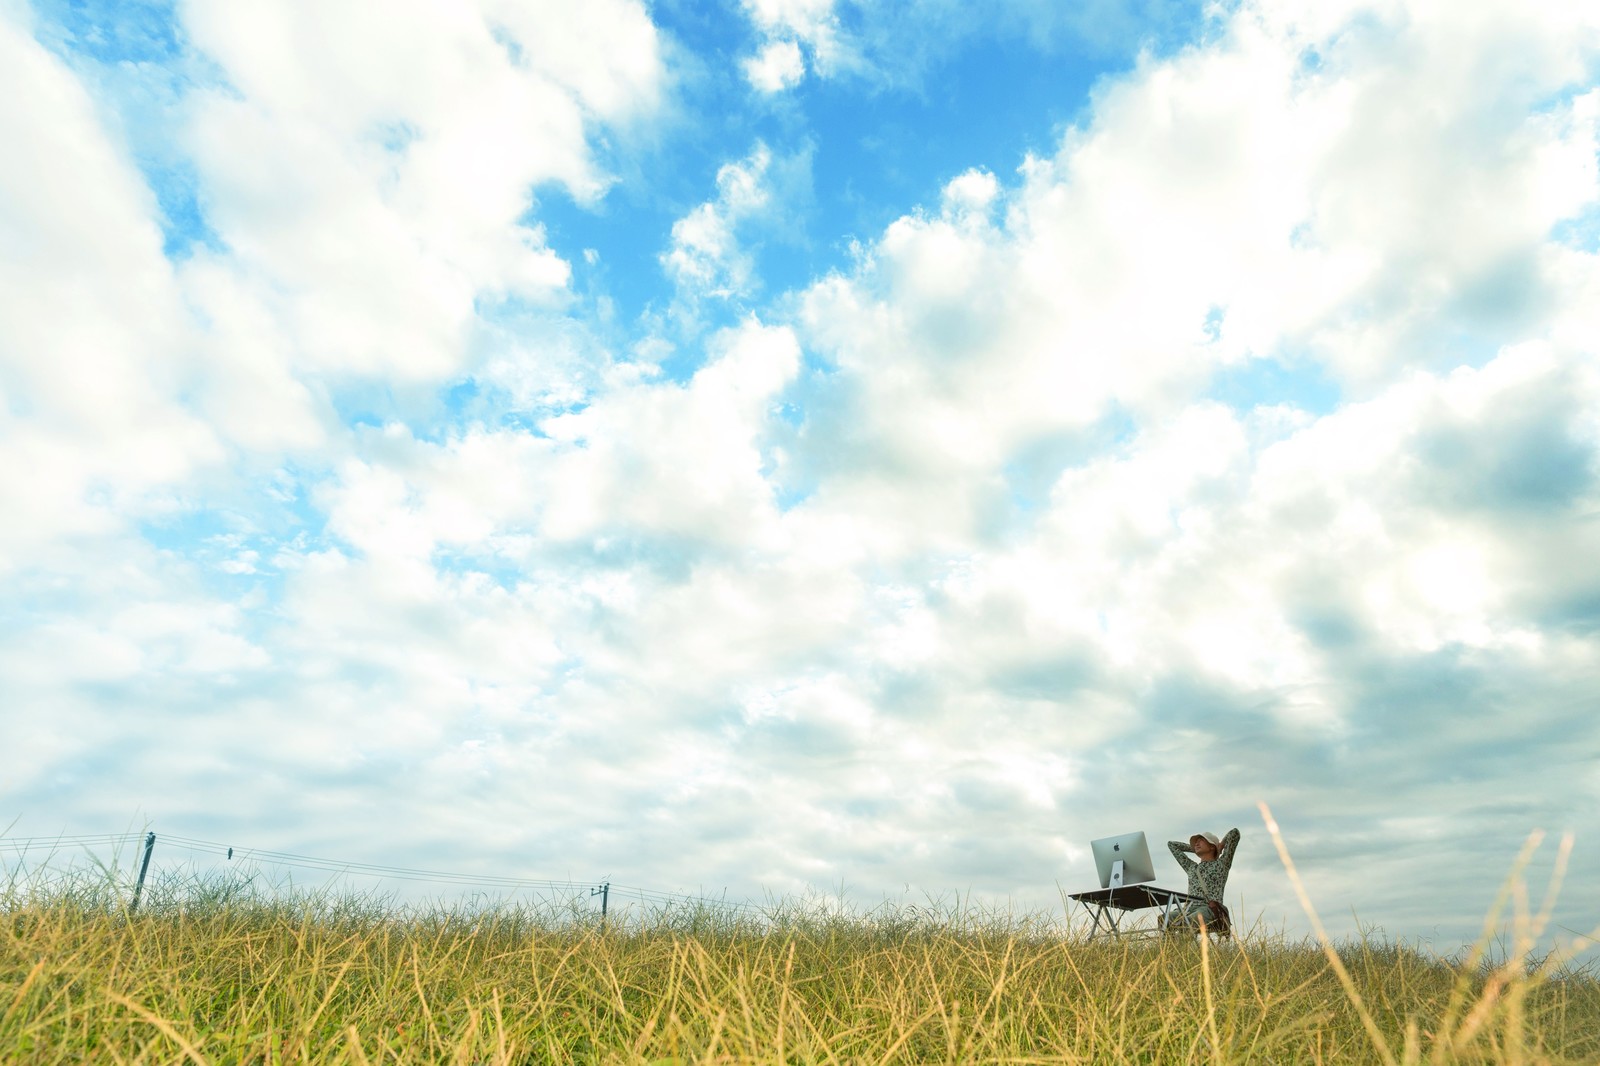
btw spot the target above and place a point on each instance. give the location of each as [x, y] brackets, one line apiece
[61, 842]
[293, 860]
[286, 858]
[651, 895]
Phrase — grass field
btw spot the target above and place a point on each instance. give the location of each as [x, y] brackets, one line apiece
[219, 973]
[228, 971]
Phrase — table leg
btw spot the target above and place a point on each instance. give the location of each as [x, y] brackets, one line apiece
[1166, 913]
[1098, 911]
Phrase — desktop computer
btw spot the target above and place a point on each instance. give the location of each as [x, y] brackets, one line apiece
[1123, 860]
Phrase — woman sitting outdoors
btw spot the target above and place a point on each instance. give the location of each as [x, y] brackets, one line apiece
[1207, 878]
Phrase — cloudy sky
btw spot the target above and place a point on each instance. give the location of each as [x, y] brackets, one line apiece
[809, 445]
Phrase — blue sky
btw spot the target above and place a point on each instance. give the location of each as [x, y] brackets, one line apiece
[808, 445]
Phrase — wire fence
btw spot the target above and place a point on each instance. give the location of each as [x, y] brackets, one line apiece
[94, 870]
[16, 855]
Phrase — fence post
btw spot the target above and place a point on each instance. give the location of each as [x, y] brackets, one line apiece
[149, 846]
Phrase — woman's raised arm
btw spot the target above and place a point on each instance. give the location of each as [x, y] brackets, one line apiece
[1180, 850]
[1225, 852]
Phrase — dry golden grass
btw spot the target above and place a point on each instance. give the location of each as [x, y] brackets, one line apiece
[216, 974]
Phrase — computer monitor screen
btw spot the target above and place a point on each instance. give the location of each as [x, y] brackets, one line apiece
[1134, 853]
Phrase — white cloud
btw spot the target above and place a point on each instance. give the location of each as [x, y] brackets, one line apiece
[1221, 207]
[93, 349]
[778, 66]
[709, 255]
[785, 25]
[683, 461]
[970, 193]
[371, 173]
[366, 181]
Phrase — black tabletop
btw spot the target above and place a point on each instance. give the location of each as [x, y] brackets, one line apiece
[1133, 897]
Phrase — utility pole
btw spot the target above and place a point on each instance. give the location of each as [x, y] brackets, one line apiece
[604, 892]
[149, 846]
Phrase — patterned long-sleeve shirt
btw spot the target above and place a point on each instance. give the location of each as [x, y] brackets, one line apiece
[1206, 879]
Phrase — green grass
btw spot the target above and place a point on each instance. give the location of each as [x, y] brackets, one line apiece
[223, 972]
